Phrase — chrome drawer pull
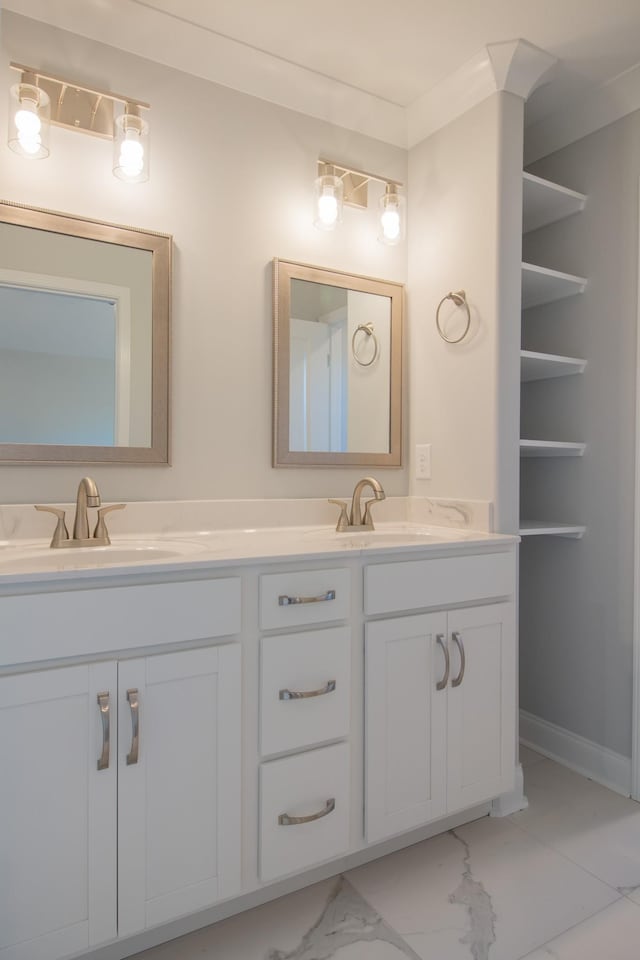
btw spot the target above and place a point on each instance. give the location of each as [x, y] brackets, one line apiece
[441, 684]
[457, 639]
[284, 601]
[286, 821]
[103, 705]
[303, 695]
[134, 705]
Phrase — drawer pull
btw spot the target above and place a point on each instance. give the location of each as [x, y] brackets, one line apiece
[134, 705]
[286, 821]
[441, 684]
[457, 639]
[284, 601]
[103, 704]
[305, 694]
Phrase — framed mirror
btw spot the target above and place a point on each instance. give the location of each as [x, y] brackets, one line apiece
[84, 340]
[337, 368]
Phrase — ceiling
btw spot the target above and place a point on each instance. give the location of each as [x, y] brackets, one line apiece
[399, 51]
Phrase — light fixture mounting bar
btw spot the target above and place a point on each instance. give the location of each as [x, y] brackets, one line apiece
[355, 181]
[76, 106]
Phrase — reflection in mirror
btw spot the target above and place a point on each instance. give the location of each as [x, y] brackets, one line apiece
[337, 368]
[84, 322]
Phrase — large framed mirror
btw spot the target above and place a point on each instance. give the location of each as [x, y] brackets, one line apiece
[84, 340]
[337, 368]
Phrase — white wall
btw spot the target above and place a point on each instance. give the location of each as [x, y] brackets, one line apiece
[231, 179]
[577, 596]
[464, 233]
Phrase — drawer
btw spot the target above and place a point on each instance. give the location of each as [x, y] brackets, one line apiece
[83, 622]
[314, 787]
[322, 595]
[317, 665]
[414, 584]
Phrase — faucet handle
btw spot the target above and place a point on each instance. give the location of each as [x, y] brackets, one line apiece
[367, 519]
[343, 519]
[60, 533]
[100, 532]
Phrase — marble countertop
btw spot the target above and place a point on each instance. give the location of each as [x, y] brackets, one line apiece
[32, 561]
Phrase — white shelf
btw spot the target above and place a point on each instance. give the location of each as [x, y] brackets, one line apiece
[545, 366]
[544, 202]
[538, 528]
[550, 448]
[542, 285]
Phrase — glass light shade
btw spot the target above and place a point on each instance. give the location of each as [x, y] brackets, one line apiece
[29, 119]
[131, 148]
[328, 195]
[392, 222]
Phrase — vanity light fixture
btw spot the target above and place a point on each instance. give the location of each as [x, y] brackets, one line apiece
[337, 184]
[29, 115]
[329, 196]
[392, 219]
[109, 116]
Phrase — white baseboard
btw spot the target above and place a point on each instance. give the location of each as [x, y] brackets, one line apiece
[605, 766]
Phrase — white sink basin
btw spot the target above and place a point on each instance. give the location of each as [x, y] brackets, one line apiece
[38, 558]
[389, 535]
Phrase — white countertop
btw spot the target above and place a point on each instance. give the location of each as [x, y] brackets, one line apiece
[32, 561]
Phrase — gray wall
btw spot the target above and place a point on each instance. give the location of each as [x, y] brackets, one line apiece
[232, 180]
[577, 596]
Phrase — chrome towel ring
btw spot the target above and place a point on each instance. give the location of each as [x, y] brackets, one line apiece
[460, 300]
[368, 329]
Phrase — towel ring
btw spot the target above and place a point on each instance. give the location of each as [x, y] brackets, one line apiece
[368, 329]
[460, 300]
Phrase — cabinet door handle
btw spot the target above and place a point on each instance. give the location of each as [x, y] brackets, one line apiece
[284, 601]
[441, 684]
[104, 707]
[304, 694]
[286, 821]
[134, 706]
[457, 639]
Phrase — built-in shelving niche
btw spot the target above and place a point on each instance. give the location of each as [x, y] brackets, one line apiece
[545, 203]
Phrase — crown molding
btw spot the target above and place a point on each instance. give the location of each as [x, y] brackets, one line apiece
[210, 56]
[514, 66]
[604, 105]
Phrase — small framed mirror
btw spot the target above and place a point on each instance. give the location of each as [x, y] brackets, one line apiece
[337, 368]
[84, 340]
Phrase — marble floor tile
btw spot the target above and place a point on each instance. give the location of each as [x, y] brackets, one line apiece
[612, 934]
[595, 828]
[328, 921]
[486, 891]
[528, 756]
[560, 880]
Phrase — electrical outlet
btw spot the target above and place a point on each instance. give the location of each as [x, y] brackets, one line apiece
[423, 461]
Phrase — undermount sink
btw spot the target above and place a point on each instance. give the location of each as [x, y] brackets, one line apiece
[38, 557]
[385, 535]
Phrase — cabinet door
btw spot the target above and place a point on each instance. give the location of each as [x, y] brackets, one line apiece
[57, 811]
[405, 735]
[481, 707]
[179, 796]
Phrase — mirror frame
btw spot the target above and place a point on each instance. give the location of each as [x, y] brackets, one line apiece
[284, 271]
[160, 246]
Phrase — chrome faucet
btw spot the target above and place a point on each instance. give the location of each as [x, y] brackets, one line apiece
[354, 519]
[87, 496]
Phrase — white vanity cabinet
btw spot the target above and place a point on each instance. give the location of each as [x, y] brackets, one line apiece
[172, 740]
[119, 792]
[179, 816]
[57, 813]
[305, 701]
[439, 692]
